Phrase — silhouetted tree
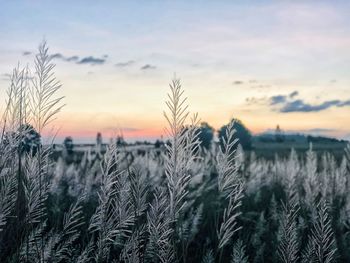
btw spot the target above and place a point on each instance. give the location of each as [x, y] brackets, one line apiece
[242, 133]
[279, 136]
[68, 150]
[120, 141]
[99, 140]
[158, 144]
[27, 138]
[68, 144]
[206, 135]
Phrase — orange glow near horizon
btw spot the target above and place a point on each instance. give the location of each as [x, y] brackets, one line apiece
[79, 125]
[260, 65]
[127, 134]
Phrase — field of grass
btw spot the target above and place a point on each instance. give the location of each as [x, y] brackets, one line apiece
[181, 204]
[270, 149]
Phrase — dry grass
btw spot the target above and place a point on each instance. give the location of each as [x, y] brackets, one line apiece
[181, 205]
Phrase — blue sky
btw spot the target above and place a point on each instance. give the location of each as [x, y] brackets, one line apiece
[115, 60]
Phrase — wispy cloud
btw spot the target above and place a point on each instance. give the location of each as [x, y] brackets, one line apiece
[58, 56]
[289, 104]
[92, 60]
[76, 59]
[72, 58]
[301, 106]
[125, 64]
[238, 82]
[64, 58]
[256, 101]
[293, 94]
[278, 99]
[148, 67]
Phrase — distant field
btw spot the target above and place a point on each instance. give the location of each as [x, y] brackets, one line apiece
[267, 150]
[270, 149]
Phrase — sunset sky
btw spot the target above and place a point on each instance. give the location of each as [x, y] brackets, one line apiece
[264, 62]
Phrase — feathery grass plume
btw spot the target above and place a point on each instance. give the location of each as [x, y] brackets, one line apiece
[229, 186]
[273, 210]
[181, 151]
[30, 250]
[44, 103]
[105, 221]
[134, 247]
[322, 235]
[229, 225]
[159, 248]
[85, 255]
[208, 257]
[36, 192]
[258, 240]
[288, 246]
[15, 117]
[43, 106]
[58, 245]
[338, 186]
[17, 110]
[311, 184]
[114, 216]
[133, 250]
[72, 220]
[257, 169]
[240, 158]
[347, 172]
[125, 220]
[12, 139]
[326, 176]
[347, 155]
[227, 169]
[330, 187]
[138, 191]
[291, 174]
[308, 254]
[192, 223]
[238, 253]
[130, 253]
[8, 189]
[190, 228]
[102, 221]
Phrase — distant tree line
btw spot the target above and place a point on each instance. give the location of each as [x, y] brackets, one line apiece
[31, 139]
[243, 135]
